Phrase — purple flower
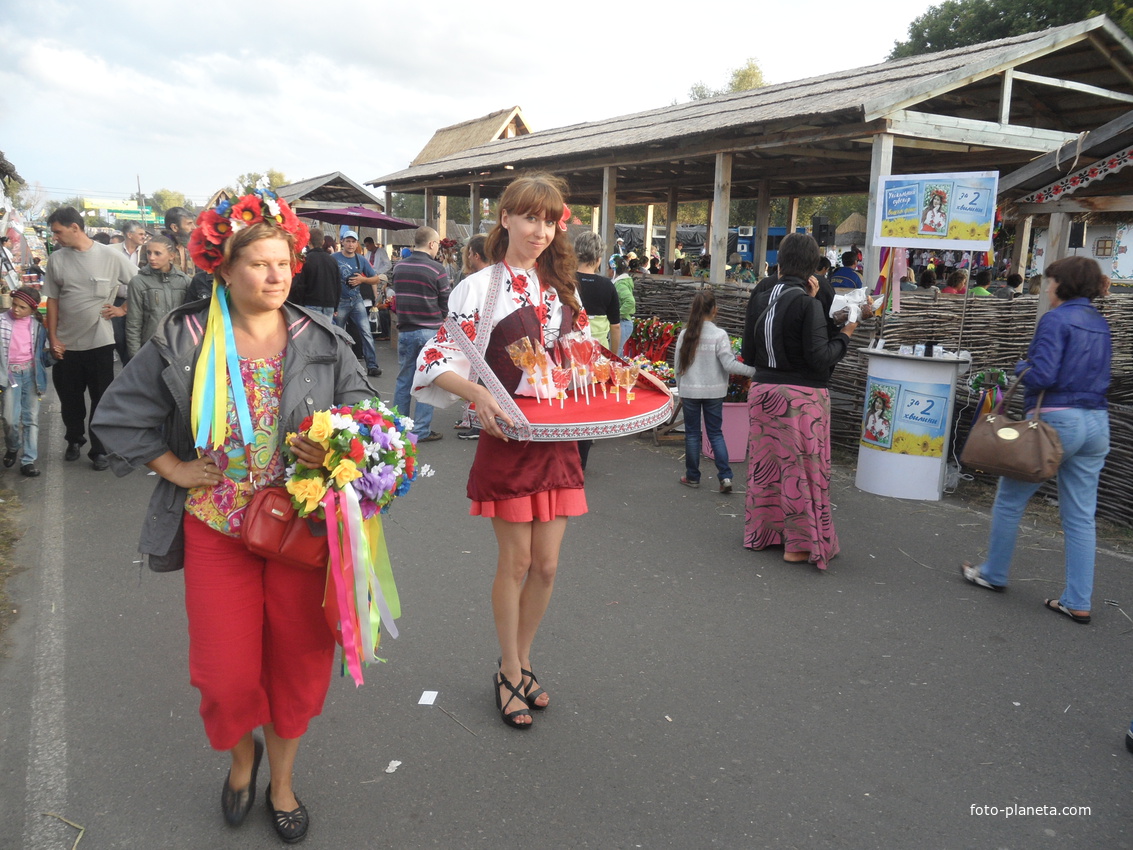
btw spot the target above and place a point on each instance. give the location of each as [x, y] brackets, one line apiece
[369, 486]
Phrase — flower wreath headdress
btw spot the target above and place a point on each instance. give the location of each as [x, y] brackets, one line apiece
[217, 364]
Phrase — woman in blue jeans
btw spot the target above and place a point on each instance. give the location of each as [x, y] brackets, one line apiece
[1069, 359]
[703, 361]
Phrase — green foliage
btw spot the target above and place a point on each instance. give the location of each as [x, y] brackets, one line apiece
[247, 183]
[960, 23]
[747, 76]
[165, 199]
[407, 206]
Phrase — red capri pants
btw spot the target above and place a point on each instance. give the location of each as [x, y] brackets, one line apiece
[260, 650]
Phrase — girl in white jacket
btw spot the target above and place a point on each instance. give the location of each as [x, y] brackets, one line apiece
[704, 360]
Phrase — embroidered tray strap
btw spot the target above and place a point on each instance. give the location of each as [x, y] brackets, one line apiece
[475, 354]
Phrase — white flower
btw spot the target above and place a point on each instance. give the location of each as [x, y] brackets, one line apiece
[272, 204]
[396, 440]
[343, 423]
[425, 471]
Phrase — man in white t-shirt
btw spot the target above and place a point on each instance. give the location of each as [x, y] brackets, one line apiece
[133, 238]
[80, 284]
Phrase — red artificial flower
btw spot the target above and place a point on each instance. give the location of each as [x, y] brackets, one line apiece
[357, 450]
[566, 218]
[206, 255]
[216, 227]
[249, 209]
[305, 425]
[410, 465]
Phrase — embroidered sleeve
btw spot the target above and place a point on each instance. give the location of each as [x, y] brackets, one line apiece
[442, 354]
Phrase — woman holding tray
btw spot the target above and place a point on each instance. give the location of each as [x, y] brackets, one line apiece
[527, 489]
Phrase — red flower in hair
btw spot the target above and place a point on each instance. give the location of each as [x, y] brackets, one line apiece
[216, 227]
[248, 209]
[205, 254]
[565, 219]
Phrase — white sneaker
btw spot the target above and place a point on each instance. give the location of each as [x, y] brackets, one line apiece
[725, 485]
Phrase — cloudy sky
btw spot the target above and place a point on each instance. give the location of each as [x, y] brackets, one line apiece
[186, 96]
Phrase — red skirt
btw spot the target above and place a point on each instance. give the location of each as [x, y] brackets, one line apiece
[526, 481]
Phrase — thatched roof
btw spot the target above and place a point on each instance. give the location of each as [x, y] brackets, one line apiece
[814, 136]
[327, 191]
[502, 124]
[8, 170]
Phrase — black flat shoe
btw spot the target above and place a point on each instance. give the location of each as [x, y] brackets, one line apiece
[29, 470]
[236, 804]
[510, 717]
[289, 826]
[10, 459]
[533, 695]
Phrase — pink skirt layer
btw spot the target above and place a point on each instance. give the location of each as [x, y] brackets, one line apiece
[541, 507]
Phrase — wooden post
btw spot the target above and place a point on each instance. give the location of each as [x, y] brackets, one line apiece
[609, 206]
[430, 213]
[388, 211]
[792, 214]
[474, 207]
[881, 165]
[1057, 240]
[721, 207]
[442, 216]
[1020, 256]
[648, 237]
[762, 223]
[595, 219]
[671, 231]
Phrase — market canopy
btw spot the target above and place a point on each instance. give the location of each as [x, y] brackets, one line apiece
[327, 191]
[358, 217]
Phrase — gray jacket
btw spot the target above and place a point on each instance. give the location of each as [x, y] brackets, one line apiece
[145, 411]
[153, 296]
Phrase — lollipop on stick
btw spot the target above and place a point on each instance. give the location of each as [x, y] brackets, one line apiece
[523, 356]
[619, 371]
[541, 367]
[602, 371]
[631, 373]
[583, 350]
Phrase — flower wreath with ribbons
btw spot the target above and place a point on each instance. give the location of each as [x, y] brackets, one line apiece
[217, 363]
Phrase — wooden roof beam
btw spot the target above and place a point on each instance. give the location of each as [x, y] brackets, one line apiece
[982, 133]
[1108, 54]
[1070, 85]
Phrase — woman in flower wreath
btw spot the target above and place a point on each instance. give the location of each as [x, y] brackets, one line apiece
[206, 404]
[528, 489]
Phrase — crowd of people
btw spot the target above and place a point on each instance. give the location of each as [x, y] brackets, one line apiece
[214, 427]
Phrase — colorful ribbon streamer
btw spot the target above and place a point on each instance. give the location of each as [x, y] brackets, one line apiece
[361, 593]
[217, 363]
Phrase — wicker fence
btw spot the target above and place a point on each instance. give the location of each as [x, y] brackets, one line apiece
[996, 331]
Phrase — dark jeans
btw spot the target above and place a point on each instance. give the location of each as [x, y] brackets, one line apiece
[713, 412]
[76, 375]
[119, 324]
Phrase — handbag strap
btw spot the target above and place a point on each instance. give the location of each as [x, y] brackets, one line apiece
[1010, 393]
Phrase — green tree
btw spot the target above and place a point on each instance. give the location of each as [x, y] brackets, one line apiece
[747, 76]
[252, 180]
[960, 23]
[165, 199]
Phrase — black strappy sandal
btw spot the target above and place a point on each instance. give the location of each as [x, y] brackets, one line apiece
[533, 695]
[509, 717]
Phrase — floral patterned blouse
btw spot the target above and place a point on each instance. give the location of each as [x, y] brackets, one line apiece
[245, 469]
[442, 354]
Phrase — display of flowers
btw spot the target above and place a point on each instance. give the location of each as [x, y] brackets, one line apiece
[652, 338]
[738, 385]
[369, 448]
[658, 368]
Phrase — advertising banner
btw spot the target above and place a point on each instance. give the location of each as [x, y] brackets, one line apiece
[946, 211]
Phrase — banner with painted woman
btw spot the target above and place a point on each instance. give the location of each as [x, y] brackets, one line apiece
[946, 211]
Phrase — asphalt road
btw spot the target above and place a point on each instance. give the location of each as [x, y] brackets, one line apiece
[704, 695]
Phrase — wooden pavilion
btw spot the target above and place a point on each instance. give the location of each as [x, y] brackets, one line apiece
[991, 106]
[328, 191]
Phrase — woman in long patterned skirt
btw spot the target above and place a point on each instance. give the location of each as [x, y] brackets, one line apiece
[786, 339]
